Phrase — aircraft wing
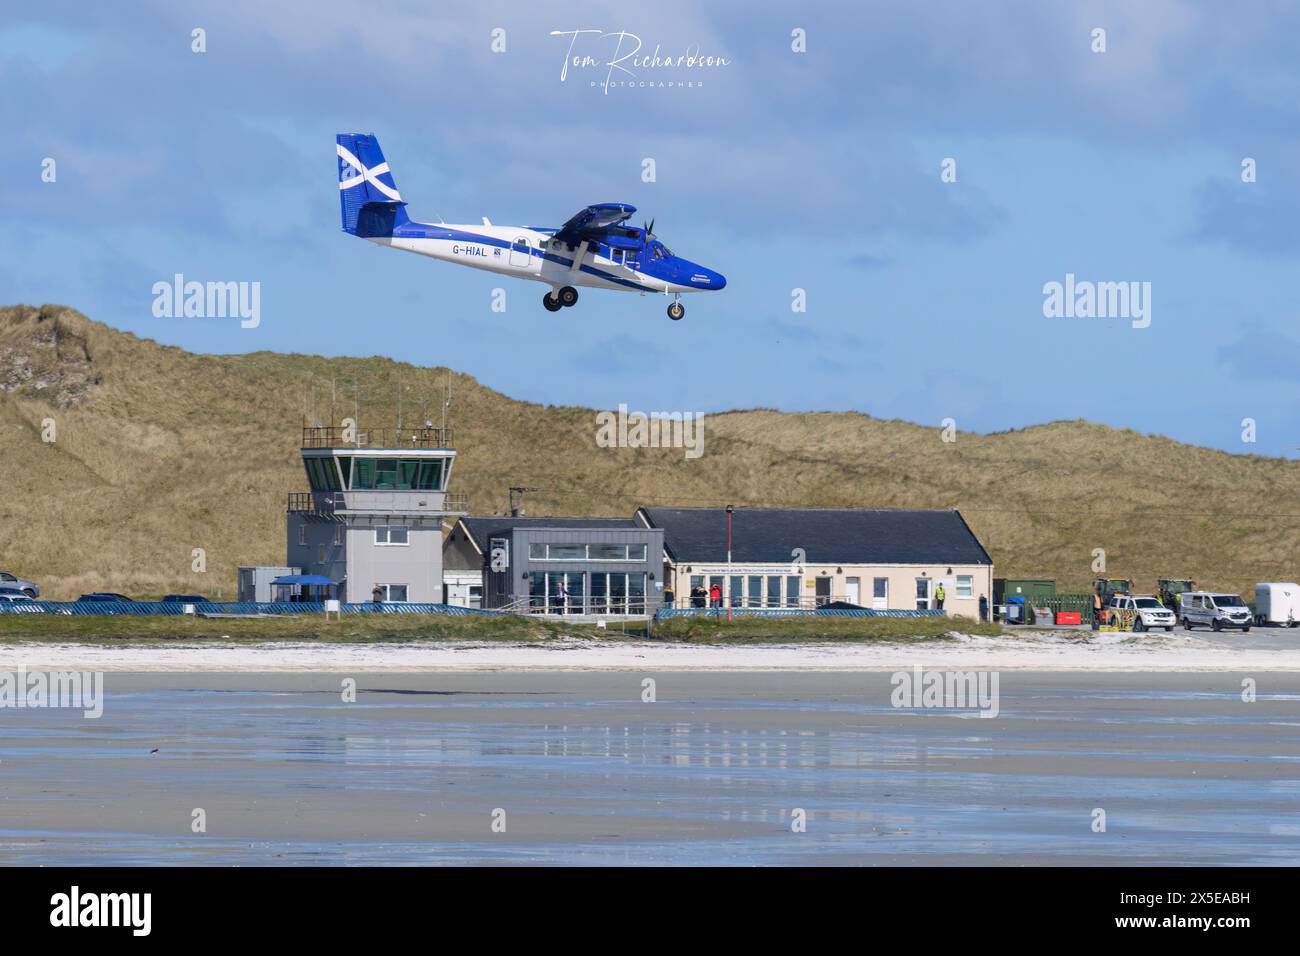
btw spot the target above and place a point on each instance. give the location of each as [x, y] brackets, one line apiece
[593, 223]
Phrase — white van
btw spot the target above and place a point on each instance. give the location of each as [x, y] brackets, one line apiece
[1214, 609]
[1277, 602]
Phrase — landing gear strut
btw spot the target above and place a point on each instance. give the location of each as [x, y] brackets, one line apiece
[676, 310]
[558, 299]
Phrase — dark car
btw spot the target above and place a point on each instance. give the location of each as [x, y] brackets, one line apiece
[186, 599]
[103, 596]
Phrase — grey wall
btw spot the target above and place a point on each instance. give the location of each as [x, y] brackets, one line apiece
[417, 564]
[363, 563]
[502, 587]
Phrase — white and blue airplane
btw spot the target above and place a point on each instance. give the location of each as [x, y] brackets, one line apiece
[593, 249]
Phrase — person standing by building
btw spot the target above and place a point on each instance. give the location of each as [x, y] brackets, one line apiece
[561, 597]
[1096, 610]
[377, 595]
[939, 595]
[715, 594]
[984, 608]
[668, 596]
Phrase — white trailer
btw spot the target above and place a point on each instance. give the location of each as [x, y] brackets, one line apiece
[1277, 602]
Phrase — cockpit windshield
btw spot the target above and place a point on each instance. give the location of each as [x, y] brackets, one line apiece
[659, 250]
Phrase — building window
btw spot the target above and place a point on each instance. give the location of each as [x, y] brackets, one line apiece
[923, 594]
[636, 593]
[392, 535]
[321, 474]
[562, 551]
[338, 534]
[773, 590]
[392, 592]
[792, 590]
[396, 474]
[965, 585]
[302, 534]
[566, 552]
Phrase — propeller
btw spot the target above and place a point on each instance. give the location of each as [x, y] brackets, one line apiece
[649, 228]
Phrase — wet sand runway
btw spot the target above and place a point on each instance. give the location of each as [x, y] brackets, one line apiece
[586, 772]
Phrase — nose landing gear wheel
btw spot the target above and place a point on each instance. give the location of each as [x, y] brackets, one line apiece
[551, 302]
[568, 296]
[676, 311]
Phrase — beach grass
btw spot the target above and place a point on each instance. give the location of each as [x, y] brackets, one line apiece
[403, 628]
[351, 629]
[759, 630]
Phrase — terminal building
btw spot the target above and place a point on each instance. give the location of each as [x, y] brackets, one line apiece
[372, 521]
[885, 559]
[590, 566]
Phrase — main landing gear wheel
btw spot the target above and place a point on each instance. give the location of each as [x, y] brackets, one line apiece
[551, 302]
[568, 296]
[676, 311]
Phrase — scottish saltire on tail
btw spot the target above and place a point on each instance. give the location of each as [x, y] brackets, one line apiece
[596, 248]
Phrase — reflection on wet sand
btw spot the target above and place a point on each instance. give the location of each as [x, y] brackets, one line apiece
[711, 773]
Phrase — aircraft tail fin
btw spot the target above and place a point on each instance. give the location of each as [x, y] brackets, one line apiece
[368, 196]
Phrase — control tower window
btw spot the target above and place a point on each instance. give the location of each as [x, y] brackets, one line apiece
[396, 474]
[430, 475]
[321, 474]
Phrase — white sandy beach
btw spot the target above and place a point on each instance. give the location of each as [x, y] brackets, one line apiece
[1047, 652]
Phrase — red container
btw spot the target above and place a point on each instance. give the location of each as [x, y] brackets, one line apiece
[1069, 617]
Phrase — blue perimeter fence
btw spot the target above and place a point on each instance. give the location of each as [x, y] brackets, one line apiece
[667, 612]
[99, 608]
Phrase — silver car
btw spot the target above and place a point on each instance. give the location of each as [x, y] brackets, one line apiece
[8, 580]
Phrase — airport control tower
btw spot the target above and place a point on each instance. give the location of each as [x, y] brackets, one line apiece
[373, 517]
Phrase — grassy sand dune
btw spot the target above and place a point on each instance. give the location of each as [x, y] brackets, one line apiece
[159, 451]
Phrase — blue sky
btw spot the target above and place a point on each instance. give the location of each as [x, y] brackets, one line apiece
[817, 171]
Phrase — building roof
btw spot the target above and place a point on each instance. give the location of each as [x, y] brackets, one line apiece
[479, 529]
[826, 535]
